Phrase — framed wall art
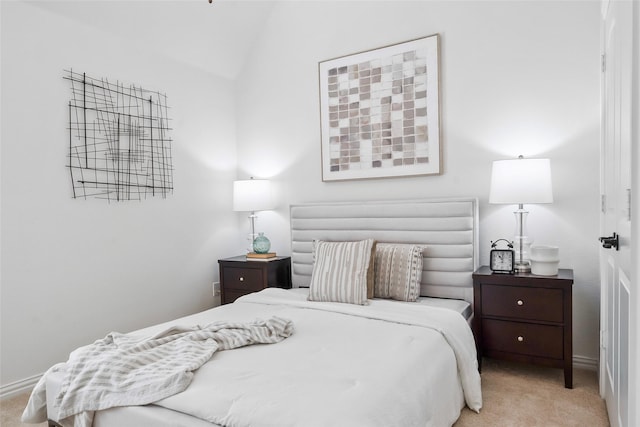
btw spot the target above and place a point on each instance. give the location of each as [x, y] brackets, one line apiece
[379, 112]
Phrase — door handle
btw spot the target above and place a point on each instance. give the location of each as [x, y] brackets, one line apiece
[610, 242]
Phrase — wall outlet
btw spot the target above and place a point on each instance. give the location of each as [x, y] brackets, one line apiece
[216, 289]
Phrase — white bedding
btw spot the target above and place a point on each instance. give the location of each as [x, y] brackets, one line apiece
[384, 364]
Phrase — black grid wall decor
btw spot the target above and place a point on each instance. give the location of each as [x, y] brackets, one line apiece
[119, 142]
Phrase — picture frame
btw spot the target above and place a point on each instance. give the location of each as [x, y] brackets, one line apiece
[380, 112]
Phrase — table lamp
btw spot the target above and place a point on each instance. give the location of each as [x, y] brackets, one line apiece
[521, 181]
[251, 195]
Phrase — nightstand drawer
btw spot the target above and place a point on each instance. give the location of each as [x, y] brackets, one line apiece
[523, 338]
[248, 279]
[522, 303]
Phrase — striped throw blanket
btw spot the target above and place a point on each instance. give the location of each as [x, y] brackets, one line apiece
[120, 370]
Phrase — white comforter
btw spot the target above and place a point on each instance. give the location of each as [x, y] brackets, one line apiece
[385, 364]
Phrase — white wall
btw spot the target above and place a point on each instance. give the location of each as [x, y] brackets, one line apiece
[516, 78]
[74, 270]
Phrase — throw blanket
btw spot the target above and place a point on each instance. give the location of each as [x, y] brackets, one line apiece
[121, 370]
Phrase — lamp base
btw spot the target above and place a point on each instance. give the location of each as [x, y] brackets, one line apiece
[524, 267]
[522, 242]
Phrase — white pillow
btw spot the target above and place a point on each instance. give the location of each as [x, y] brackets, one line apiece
[340, 271]
[398, 271]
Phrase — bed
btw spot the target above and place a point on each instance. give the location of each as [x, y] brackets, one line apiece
[406, 359]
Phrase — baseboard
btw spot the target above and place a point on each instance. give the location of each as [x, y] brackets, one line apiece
[18, 387]
[587, 363]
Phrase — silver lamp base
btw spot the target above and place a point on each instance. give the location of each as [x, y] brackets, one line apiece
[522, 242]
[522, 268]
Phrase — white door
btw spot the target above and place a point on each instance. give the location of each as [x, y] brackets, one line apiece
[618, 297]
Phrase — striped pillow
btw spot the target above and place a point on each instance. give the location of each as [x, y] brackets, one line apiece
[341, 271]
[398, 271]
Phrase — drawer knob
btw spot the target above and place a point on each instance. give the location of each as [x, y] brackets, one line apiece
[520, 338]
[241, 279]
[520, 302]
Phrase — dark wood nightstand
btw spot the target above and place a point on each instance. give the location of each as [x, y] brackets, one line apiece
[240, 276]
[524, 318]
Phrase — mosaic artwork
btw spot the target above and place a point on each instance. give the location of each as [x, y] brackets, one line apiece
[380, 112]
[119, 143]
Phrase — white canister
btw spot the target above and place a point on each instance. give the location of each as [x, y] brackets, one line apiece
[544, 260]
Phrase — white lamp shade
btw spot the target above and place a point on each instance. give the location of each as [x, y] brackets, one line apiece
[252, 195]
[521, 181]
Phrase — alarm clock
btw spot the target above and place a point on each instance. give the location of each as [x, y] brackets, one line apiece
[502, 260]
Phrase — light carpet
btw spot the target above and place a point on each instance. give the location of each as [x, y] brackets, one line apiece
[517, 395]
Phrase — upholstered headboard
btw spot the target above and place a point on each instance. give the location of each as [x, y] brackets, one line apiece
[447, 227]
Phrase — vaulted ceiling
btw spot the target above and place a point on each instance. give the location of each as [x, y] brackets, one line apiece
[215, 37]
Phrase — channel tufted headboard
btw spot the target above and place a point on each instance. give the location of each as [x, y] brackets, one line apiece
[447, 227]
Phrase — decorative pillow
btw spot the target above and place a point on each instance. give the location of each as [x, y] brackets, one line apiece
[398, 271]
[341, 271]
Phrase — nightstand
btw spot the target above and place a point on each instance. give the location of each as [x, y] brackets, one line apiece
[240, 276]
[524, 318]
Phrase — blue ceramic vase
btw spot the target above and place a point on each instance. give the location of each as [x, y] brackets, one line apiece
[261, 244]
